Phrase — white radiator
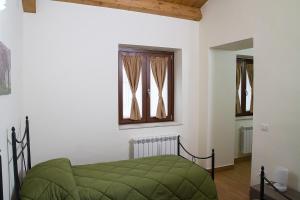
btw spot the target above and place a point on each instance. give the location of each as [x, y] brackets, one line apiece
[246, 139]
[153, 146]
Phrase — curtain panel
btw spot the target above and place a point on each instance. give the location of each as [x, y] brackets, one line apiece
[133, 65]
[159, 68]
[238, 83]
[249, 69]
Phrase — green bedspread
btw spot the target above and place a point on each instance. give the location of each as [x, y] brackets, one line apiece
[155, 178]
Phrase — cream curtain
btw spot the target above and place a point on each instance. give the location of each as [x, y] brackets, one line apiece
[238, 82]
[132, 65]
[159, 68]
[250, 76]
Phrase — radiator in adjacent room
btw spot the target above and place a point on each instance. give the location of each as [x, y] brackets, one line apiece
[246, 140]
[153, 146]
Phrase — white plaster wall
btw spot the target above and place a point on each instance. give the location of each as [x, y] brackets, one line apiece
[277, 95]
[276, 86]
[222, 110]
[11, 36]
[70, 78]
[223, 22]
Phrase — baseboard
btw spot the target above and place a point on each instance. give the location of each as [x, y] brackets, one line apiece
[241, 159]
[229, 167]
[223, 168]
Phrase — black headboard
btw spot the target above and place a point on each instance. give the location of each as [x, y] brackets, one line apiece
[22, 156]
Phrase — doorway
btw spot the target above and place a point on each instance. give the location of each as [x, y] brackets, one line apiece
[231, 115]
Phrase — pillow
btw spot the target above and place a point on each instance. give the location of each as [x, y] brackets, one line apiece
[51, 180]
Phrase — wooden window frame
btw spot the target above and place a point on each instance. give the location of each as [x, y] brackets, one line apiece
[245, 60]
[146, 54]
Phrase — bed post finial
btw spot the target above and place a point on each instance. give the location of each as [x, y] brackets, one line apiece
[28, 144]
[262, 183]
[178, 145]
[213, 164]
[13, 130]
[1, 179]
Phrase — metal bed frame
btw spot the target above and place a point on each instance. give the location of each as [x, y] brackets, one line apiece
[264, 179]
[1, 180]
[24, 144]
[194, 158]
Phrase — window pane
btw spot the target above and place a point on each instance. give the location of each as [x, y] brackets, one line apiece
[127, 95]
[154, 94]
[248, 93]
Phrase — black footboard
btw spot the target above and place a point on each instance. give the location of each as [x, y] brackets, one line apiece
[194, 158]
[1, 180]
[264, 179]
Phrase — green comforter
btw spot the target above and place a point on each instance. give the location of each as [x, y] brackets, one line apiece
[155, 178]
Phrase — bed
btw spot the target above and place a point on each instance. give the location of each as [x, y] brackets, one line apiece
[267, 190]
[166, 177]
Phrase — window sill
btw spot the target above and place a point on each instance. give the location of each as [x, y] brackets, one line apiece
[243, 118]
[149, 125]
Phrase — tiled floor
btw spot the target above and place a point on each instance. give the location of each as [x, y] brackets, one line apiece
[234, 184]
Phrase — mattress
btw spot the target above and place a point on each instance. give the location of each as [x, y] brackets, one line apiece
[156, 178]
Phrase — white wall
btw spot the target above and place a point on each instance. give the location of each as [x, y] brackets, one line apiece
[276, 86]
[222, 109]
[10, 35]
[224, 126]
[277, 94]
[70, 78]
[223, 22]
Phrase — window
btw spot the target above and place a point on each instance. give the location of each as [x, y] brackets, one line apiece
[244, 86]
[2, 4]
[146, 86]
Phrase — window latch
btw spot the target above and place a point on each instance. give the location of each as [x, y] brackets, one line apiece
[149, 92]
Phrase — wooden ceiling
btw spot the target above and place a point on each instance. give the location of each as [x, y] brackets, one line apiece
[192, 3]
[185, 9]
[29, 6]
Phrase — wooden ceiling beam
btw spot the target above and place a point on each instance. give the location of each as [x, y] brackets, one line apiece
[29, 6]
[194, 3]
[147, 6]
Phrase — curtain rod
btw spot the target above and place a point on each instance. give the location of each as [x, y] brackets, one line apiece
[244, 57]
